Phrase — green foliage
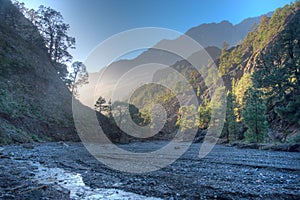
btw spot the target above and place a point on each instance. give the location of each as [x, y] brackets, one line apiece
[198, 91]
[36, 138]
[229, 58]
[231, 126]
[77, 77]
[13, 63]
[121, 109]
[9, 106]
[295, 139]
[274, 48]
[238, 92]
[224, 64]
[54, 31]
[99, 105]
[212, 77]
[204, 112]
[254, 116]
[296, 4]
[291, 112]
[2, 137]
[268, 28]
[148, 95]
[187, 118]
[278, 72]
[256, 40]
[3, 62]
[193, 77]
[9, 133]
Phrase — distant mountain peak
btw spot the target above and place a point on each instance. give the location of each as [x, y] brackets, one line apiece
[215, 34]
[210, 36]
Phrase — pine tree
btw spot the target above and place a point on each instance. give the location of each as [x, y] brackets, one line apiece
[241, 88]
[254, 116]
[54, 31]
[120, 111]
[278, 72]
[204, 112]
[230, 130]
[187, 118]
[99, 104]
[291, 112]
[224, 59]
[78, 77]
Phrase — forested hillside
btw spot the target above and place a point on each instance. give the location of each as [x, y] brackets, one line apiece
[153, 128]
[35, 104]
[261, 76]
[211, 35]
[36, 86]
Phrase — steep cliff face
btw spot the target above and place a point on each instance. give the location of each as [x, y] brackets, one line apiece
[269, 57]
[34, 103]
[245, 57]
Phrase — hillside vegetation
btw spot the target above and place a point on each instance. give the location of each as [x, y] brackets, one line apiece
[35, 104]
[261, 76]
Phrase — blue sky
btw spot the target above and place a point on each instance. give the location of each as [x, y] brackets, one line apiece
[93, 21]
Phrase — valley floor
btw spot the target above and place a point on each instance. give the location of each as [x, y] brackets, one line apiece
[64, 171]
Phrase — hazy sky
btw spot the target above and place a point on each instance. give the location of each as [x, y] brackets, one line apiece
[93, 21]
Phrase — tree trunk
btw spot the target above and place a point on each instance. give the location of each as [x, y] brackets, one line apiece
[73, 82]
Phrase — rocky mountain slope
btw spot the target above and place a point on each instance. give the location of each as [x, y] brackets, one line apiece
[215, 34]
[35, 104]
[267, 62]
[208, 35]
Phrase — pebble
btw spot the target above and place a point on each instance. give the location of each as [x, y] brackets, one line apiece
[264, 183]
[28, 146]
[1, 150]
[152, 183]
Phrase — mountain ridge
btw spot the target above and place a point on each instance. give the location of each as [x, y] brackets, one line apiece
[116, 69]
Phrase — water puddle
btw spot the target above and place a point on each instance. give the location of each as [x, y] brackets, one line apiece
[78, 190]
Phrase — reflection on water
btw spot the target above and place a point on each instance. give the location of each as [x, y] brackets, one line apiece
[78, 190]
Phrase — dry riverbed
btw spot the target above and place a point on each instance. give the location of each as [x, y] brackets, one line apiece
[68, 171]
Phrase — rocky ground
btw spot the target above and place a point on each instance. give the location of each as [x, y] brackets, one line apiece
[68, 171]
